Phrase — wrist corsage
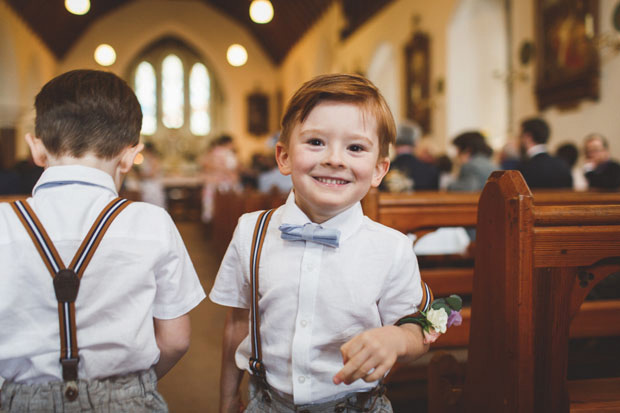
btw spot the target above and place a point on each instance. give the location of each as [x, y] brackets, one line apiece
[443, 313]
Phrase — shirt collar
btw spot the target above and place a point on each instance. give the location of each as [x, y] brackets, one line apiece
[536, 149]
[75, 174]
[348, 221]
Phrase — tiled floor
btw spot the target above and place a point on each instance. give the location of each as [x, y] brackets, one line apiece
[193, 384]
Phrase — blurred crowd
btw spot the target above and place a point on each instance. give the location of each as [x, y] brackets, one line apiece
[417, 167]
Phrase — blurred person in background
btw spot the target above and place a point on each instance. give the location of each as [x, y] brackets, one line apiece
[474, 156]
[600, 170]
[538, 167]
[407, 172]
[569, 153]
[221, 172]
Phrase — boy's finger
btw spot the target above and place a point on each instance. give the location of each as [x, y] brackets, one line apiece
[377, 374]
[354, 369]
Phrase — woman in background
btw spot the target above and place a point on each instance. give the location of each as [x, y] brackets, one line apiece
[474, 156]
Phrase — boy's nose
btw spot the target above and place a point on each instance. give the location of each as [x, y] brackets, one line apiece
[334, 158]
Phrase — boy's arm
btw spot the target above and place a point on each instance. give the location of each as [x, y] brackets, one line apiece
[370, 354]
[236, 329]
[172, 337]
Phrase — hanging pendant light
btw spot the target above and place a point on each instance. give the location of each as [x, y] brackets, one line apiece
[236, 55]
[79, 7]
[105, 55]
[261, 11]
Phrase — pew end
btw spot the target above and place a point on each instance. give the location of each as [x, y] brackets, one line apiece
[535, 263]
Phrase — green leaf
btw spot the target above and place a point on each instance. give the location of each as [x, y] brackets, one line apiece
[422, 321]
[445, 307]
[438, 303]
[455, 302]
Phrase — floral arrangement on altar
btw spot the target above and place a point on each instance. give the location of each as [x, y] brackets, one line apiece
[442, 314]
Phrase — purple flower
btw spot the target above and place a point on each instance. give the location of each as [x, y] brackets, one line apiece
[455, 318]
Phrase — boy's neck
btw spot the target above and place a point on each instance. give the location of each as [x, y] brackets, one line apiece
[109, 166]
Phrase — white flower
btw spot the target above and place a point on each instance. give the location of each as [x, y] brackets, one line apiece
[438, 318]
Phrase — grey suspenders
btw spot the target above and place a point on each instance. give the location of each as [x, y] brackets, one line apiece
[67, 279]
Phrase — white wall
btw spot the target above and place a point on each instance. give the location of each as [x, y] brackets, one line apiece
[26, 65]
[477, 94]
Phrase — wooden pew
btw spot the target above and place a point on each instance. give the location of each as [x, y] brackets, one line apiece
[229, 206]
[535, 264]
[424, 211]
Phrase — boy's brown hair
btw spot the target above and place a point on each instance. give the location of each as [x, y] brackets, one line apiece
[345, 88]
[87, 111]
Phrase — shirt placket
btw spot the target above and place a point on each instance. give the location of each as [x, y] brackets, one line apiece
[302, 338]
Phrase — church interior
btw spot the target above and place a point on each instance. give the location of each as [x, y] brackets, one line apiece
[213, 83]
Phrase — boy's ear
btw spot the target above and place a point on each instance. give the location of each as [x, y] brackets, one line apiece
[283, 158]
[382, 168]
[128, 156]
[37, 149]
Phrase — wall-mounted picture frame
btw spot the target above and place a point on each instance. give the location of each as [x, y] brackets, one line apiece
[258, 113]
[568, 68]
[417, 81]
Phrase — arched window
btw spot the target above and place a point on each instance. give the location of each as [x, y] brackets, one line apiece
[175, 89]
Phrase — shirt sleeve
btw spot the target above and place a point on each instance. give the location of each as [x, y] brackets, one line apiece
[232, 286]
[178, 287]
[402, 291]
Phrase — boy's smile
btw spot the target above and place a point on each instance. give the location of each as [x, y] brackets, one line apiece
[333, 159]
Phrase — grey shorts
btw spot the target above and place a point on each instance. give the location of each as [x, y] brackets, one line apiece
[266, 400]
[136, 392]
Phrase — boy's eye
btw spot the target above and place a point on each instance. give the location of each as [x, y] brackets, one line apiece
[315, 142]
[356, 148]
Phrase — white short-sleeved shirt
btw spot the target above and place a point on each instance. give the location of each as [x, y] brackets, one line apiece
[314, 298]
[141, 270]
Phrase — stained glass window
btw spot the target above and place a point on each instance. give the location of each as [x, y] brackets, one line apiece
[147, 96]
[199, 94]
[172, 92]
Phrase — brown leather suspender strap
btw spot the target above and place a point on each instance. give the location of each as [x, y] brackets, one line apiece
[256, 359]
[67, 280]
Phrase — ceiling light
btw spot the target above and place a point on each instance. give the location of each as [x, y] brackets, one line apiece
[105, 55]
[236, 55]
[261, 11]
[78, 7]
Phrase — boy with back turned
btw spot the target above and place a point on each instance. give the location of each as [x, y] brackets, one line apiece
[332, 284]
[94, 290]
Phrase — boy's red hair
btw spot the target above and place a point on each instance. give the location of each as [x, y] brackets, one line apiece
[345, 88]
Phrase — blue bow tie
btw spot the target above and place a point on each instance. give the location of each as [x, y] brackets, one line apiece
[310, 232]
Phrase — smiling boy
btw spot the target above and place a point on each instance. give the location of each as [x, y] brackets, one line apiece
[327, 309]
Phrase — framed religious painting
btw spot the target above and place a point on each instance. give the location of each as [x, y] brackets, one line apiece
[258, 113]
[417, 81]
[568, 68]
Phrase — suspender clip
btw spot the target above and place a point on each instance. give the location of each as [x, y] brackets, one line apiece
[69, 368]
[71, 390]
[66, 286]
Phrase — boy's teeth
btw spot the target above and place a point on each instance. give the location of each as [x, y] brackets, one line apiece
[332, 181]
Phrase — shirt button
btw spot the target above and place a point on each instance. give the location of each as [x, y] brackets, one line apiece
[301, 379]
[309, 267]
[303, 323]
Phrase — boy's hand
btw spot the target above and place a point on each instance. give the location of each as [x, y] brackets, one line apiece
[370, 354]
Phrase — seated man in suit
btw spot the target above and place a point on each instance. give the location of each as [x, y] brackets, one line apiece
[539, 169]
[601, 171]
[419, 175]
